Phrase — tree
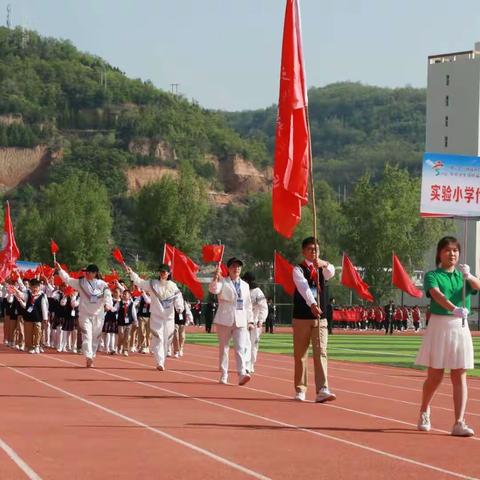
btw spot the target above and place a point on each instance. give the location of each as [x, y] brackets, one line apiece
[172, 211]
[384, 217]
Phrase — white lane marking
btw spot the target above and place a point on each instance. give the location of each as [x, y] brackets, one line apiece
[271, 420]
[27, 470]
[184, 443]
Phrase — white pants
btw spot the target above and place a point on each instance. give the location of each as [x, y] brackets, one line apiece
[110, 342]
[240, 343]
[91, 328]
[162, 336]
[254, 337]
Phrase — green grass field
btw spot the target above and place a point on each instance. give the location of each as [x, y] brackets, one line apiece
[396, 350]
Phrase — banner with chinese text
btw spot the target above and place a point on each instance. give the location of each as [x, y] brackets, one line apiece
[450, 185]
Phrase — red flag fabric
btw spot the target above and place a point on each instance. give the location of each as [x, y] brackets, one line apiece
[184, 270]
[68, 291]
[352, 279]
[224, 269]
[53, 247]
[292, 152]
[212, 253]
[10, 252]
[117, 255]
[283, 273]
[402, 280]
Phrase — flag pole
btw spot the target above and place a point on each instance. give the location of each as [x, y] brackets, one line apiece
[464, 286]
[312, 196]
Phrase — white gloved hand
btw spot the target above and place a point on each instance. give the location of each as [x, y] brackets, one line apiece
[465, 269]
[460, 312]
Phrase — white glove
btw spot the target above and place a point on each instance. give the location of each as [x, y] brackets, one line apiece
[465, 269]
[460, 312]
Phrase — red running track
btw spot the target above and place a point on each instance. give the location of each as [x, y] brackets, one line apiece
[124, 419]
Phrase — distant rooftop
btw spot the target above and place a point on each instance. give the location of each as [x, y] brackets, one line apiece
[453, 57]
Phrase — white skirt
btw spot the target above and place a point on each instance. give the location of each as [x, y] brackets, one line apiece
[446, 344]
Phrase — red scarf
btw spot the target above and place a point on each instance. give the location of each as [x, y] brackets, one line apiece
[313, 273]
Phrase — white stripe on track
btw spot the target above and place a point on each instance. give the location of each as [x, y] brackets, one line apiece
[166, 435]
[27, 470]
[272, 420]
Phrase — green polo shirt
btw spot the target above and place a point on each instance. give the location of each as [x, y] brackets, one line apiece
[450, 284]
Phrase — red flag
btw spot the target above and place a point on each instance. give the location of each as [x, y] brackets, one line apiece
[292, 152]
[212, 253]
[68, 291]
[352, 279]
[53, 247]
[283, 273]
[224, 269]
[117, 255]
[184, 269]
[402, 280]
[9, 253]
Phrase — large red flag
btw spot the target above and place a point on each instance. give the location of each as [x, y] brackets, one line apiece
[117, 255]
[184, 269]
[292, 152]
[212, 253]
[283, 273]
[402, 280]
[10, 252]
[352, 279]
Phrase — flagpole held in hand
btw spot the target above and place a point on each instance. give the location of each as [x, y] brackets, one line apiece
[464, 286]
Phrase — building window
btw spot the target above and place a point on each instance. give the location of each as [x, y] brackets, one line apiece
[447, 80]
[447, 100]
[445, 139]
[446, 120]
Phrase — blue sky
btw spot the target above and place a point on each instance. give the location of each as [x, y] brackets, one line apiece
[226, 53]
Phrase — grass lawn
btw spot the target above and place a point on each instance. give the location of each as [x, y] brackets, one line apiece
[396, 350]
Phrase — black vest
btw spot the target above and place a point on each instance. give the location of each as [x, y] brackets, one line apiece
[300, 307]
[122, 318]
[143, 308]
[33, 310]
[12, 309]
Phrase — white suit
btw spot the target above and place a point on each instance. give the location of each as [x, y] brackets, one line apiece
[233, 315]
[94, 297]
[165, 298]
[260, 314]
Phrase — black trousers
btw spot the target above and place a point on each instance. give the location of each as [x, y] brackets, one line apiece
[269, 325]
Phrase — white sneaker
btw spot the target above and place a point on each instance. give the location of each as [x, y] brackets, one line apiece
[32, 351]
[223, 379]
[144, 350]
[461, 429]
[37, 350]
[424, 424]
[125, 353]
[180, 353]
[325, 395]
[300, 396]
[244, 379]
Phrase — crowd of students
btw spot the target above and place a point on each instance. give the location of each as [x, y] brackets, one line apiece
[390, 317]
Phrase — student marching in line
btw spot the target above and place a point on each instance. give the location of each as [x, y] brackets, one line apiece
[69, 308]
[127, 318]
[260, 314]
[143, 315]
[110, 324]
[233, 316]
[447, 342]
[165, 298]
[95, 297]
[181, 321]
[309, 321]
[35, 305]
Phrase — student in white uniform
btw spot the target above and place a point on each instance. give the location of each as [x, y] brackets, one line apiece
[94, 297]
[233, 316]
[165, 299]
[260, 314]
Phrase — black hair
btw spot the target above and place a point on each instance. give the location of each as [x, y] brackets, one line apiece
[309, 241]
[443, 243]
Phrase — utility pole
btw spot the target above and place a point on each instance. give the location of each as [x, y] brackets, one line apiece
[9, 16]
[174, 87]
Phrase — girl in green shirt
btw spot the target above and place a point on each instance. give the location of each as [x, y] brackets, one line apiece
[447, 342]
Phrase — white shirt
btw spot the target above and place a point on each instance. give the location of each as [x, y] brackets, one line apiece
[259, 306]
[302, 284]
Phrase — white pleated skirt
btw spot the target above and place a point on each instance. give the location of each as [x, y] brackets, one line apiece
[446, 344]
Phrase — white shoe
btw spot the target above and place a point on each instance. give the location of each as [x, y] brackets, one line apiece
[300, 396]
[32, 351]
[424, 424]
[144, 350]
[17, 347]
[461, 429]
[177, 355]
[125, 353]
[6, 343]
[244, 379]
[325, 395]
[223, 379]
[180, 353]
[37, 350]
